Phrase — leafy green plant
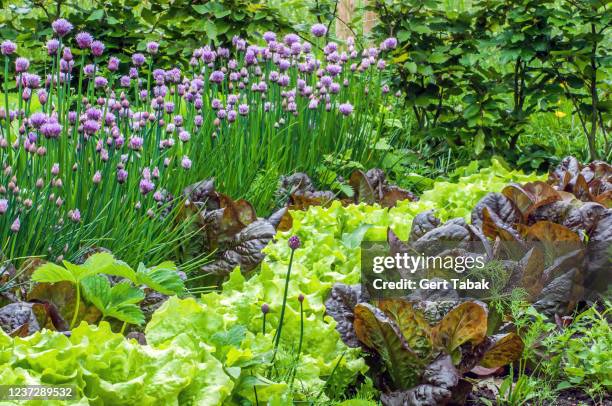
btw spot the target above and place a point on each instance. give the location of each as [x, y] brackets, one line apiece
[75, 274]
[118, 371]
[119, 301]
[466, 102]
[580, 353]
[430, 360]
[581, 61]
[129, 24]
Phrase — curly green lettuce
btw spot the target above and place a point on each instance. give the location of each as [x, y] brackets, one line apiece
[107, 369]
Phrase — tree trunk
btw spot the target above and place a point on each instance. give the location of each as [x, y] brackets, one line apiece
[592, 135]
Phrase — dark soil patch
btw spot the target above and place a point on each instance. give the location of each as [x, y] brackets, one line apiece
[574, 397]
[568, 397]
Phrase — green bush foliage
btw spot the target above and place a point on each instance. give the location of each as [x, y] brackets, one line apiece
[474, 78]
[127, 25]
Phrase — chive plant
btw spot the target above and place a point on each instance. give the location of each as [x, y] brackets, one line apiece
[97, 152]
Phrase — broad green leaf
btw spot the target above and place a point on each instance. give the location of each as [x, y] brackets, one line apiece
[80, 272]
[97, 290]
[163, 278]
[96, 15]
[118, 301]
[127, 312]
[100, 261]
[120, 268]
[479, 142]
[52, 273]
[124, 293]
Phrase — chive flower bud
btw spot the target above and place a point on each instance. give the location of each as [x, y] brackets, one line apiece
[16, 225]
[294, 242]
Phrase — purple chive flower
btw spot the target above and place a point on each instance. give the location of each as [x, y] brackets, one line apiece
[284, 64]
[67, 54]
[16, 225]
[89, 70]
[152, 47]
[42, 96]
[389, 43]
[93, 114]
[97, 48]
[91, 127]
[3, 206]
[122, 175]
[136, 143]
[21, 65]
[326, 81]
[186, 162]
[51, 129]
[294, 242]
[146, 186]
[243, 109]
[75, 215]
[334, 69]
[290, 39]
[113, 64]
[284, 80]
[31, 80]
[100, 81]
[346, 108]
[97, 178]
[318, 30]
[61, 27]
[125, 81]
[38, 119]
[301, 298]
[184, 136]
[55, 169]
[231, 116]
[217, 76]
[52, 46]
[8, 47]
[269, 36]
[138, 59]
[208, 55]
[84, 40]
